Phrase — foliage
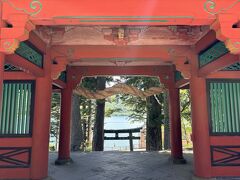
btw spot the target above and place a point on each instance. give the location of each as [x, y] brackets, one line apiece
[98, 131]
[88, 109]
[137, 106]
[115, 107]
[166, 130]
[87, 106]
[52, 147]
[186, 117]
[185, 105]
[55, 118]
[148, 110]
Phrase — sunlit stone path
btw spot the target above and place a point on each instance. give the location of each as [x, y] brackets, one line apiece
[121, 166]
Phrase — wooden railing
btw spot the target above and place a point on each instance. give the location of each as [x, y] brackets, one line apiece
[123, 131]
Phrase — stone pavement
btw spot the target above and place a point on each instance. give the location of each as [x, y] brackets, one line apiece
[121, 166]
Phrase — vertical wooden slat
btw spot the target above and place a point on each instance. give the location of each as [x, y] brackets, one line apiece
[222, 108]
[28, 107]
[227, 95]
[212, 106]
[24, 109]
[238, 106]
[232, 107]
[224, 103]
[11, 119]
[218, 119]
[8, 109]
[20, 108]
[16, 109]
[219, 109]
[215, 93]
[4, 108]
[235, 109]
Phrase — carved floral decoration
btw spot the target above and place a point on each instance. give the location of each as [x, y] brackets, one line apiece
[35, 6]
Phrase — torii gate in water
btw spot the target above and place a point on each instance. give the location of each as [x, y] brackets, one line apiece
[45, 44]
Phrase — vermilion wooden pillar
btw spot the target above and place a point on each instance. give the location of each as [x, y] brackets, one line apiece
[175, 125]
[41, 123]
[65, 126]
[200, 127]
[2, 60]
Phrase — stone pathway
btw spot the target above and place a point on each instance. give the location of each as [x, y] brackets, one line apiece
[121, 166]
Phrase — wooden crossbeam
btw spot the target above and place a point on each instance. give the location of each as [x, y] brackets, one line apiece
[122, 130]
[222, 62]
[120, 138]
[22, 63]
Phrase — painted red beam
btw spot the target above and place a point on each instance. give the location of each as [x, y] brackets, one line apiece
[38, 42]
[118, 71]
[17, 76]
[164, 53]
[219, 64]
[27, 66]
[60, 84]
[204, 42]
[141, 12]
[225, 75]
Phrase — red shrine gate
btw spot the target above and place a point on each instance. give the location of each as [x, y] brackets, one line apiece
[45, 44]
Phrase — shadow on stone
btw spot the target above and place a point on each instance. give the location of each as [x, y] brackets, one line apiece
[177, 160]
[60, 162]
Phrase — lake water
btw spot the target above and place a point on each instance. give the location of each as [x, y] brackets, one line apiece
[120, 122]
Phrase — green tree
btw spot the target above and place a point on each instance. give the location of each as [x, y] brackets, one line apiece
[154, 122]
[98, 131]
[166, 122]
[87, 111]
[77, 125]
[186, 116]
[55, 118]
[147, 110]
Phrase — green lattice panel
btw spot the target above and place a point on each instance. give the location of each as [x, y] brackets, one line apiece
[234, 67]
[63, 76]
[212, 53]
[17, 108]
[9, 68]
[224, 105]
[30, 53]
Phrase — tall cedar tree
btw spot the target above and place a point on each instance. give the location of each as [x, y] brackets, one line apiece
[77, 125]
[148, 110]
[98, 131]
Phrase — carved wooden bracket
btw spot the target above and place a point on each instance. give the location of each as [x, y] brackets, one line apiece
[18, 30]
[59, 65]
[167, 78]
[180, 60]
[227, 30]
[182, 65]
[123, 35]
